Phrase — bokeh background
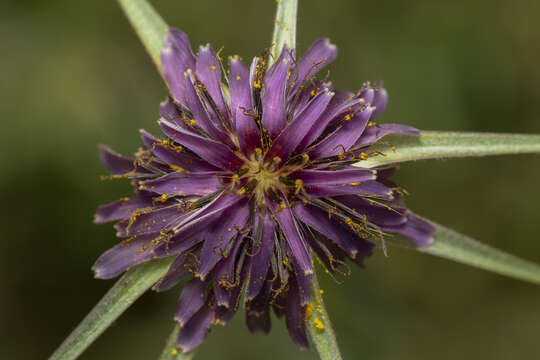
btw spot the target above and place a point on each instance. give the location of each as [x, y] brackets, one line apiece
[73, 74]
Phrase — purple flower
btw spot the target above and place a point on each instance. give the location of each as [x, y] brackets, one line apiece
[254, 180]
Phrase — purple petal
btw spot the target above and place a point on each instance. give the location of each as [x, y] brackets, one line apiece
[206, 121]
[118, 259]
[344, 137]
[368, 188]
[257, 309]
[259, 323]
[169, 111]
[305, 282]
[260, 261]
[273, 95]
[117, 164]
[295, 316]
[292, 135]
[193, 333]
[375, 213]
[217, 237]
[153, 220]
[176, 58]
[339, 177]
[191, 299]
[174, 156]
[240, 92]
[293, 236]
[320, 54]
[181, 267]
[227, 284]
[212, 151]
[380, 100]
[185, 184]
[192, 229]
[340, 104]
[209, 73]
[376, 132]
[334, 230]
[415, 229]
[121, 209]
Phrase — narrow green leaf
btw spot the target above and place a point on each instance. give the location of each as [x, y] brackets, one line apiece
[284, 27]
[454, 246]
[148, 25]
[438, 145]
[319, 326]
[171, 352]
[126, 290]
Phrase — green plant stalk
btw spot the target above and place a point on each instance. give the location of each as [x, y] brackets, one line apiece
[284, 28]
[461, 248]
[171, 352]
[439, 145]
[319, 326]
[126, 290]
[148, 25]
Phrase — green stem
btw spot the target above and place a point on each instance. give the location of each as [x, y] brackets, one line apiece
[319, 326]
[455, 246]
[148, 25]
[126, 290]
[171, 352]
[284, 28]
[438, 145]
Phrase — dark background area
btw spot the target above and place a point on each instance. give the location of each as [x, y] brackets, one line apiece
[73, 74]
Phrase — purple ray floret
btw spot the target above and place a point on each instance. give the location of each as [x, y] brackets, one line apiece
[253, 181]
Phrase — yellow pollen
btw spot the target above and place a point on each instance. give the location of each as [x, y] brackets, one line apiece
[179, 192]
[174, 352]
[319, 325]
[177, 168]
[283, 206]
[370, 124]
[212, 68]
[363, 156]
[355, 183]
[192, 122]
[347, 117]
[163, 197]
[257, 84]
[238, 77]
[309, 310]
[321, 291]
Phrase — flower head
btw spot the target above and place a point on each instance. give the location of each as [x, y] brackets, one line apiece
[252, 183]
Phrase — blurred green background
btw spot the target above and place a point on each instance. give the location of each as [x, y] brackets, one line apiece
[73, 74]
